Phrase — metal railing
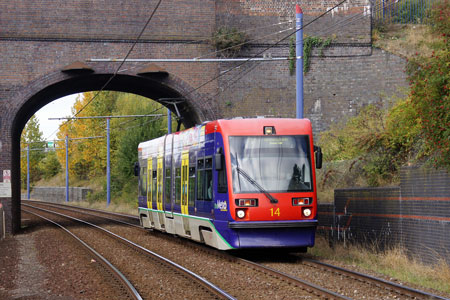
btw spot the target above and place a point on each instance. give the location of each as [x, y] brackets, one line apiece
[400, 11]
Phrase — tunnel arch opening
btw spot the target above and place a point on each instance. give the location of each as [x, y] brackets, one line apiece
[160, 87]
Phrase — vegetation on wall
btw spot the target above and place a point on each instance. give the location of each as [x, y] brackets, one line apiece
[228, 41]
[309, 43]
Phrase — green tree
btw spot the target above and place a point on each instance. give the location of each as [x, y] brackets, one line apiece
[87, 157]
[49, 165]
[130, 133]
[32, 137]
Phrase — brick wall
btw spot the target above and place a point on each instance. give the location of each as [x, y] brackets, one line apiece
[38, 38]
[415, 215]
[263, 15]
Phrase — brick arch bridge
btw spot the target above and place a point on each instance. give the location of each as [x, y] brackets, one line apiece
[41, 40]
[151, 82]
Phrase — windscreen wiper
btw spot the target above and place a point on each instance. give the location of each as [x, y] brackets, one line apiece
[260, 188]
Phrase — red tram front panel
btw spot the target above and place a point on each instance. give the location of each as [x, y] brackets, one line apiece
[272, 196]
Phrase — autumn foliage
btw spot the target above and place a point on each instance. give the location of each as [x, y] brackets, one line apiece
[430, 87]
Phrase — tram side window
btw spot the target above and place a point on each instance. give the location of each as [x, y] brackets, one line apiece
[168, 184]
[204, 179]
[143, 182]
[191, 186]
[208, 178]
[154, 182]
[208, 183]
[222, 185]
[177, 186]
[200, 178]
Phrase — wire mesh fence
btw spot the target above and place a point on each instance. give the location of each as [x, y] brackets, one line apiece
[400, 11]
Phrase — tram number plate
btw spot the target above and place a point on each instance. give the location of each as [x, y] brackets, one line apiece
[275, 212]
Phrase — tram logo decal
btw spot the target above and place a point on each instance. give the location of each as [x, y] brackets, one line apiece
[222, 205]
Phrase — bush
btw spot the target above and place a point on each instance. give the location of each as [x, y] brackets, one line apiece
[383, 140]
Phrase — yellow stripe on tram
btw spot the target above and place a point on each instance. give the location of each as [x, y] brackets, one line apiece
[149, 182]
[160, 176]
[184, 182]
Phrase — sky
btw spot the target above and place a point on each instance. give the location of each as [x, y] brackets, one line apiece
[59, 108]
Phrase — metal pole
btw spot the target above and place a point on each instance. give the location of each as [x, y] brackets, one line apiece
[28, 172]
[299, 60]
[67, 168]
[190, 60]
[169, 121]
[108, 165]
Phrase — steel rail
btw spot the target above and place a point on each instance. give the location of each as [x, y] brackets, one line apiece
[386, 284]
[83, 208]
[87, 210]
[125, 282]
[205, 283]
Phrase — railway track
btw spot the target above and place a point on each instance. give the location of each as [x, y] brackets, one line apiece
[311, 278]
[116, 255]
[124, 286]
[259, 281]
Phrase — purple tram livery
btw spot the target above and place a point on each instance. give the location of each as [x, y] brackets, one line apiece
[233, 184]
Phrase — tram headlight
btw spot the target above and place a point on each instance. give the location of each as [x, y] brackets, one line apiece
[240, 213]
[307, 212]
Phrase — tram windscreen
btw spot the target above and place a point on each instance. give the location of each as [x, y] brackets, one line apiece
[277, 163]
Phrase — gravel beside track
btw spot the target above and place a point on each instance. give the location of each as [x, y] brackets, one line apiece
[152, 278]
[344, 285]
[43, 262]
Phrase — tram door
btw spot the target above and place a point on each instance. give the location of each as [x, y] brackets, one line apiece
[185, 189]
[149, 182]
[159, 196]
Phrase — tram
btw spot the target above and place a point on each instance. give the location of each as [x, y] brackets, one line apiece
[233, 184]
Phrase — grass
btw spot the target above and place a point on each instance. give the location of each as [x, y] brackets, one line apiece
[393, 263]
[404, 39]
[113, 207]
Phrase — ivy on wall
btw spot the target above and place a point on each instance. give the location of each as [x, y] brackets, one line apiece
[308, 44]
